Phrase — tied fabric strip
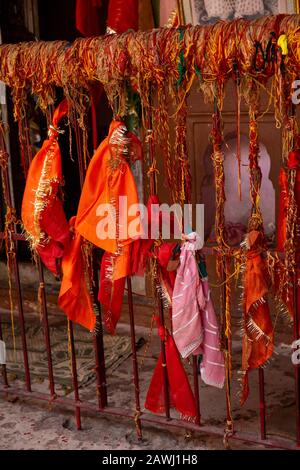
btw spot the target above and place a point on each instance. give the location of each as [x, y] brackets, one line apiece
[108, 193]
[258, 330]
[74, 298]
[109, 182]
[42, 208]
[181, 395]
[293, 163]
[195, 328]
[142, 247]
[111, 291]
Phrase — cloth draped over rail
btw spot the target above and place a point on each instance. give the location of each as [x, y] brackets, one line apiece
[250, 52]
[42, 208]
[195, 327]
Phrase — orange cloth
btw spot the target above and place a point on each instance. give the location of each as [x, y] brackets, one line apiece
[258, 335]
[74, 298]
[42, 209]
[108, 178]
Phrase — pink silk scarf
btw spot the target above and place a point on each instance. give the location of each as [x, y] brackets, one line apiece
[195, 328]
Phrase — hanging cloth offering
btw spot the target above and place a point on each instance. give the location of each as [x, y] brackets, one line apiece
[42, 208]
[258, 329]
[287, 234]
[88, 17]
[181, 395]
[122, 16]
[167, 255]
[141, 248]
[74, 298]
[292, 170]
[111, 291]
[108, 193]
[195, 328]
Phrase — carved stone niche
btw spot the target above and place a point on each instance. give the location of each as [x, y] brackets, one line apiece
[199, 126]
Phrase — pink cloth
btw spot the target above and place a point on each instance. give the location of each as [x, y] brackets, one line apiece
[195, 328]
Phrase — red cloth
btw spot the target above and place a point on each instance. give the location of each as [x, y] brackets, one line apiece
[293, 163]
[164, 254]
[181, 395]
[123, 15]
[141, 248]
[88, 19]
[111, 293]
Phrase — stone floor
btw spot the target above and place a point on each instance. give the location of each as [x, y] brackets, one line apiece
[33, 425]
[30, 425]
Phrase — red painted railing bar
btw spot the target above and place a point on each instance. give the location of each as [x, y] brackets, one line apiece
[262, 403]
[15, 267]
[3, 367]
[98, 340]
[277, 443]
[153, 191]
[42, 295]
[134, 362]
[227, 354]
[70, 324]
[164, 360]
[79, 151]
[296, 366]
[43, 299]
[196, 390]
[74, 374]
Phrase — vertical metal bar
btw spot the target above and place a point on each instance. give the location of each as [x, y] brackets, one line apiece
[70, 323]
[15, 268]
[98, 340]
[227, 354]
[134, 362]
[262, 403]
[296, 366]
[153, 191]
[79, 152]
[74, 375]
[3, 367]
[164, 361]
[196, 390]
[22, 321]
[42, 295]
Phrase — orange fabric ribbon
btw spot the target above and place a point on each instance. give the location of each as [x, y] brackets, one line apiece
[74, 298]
[108, 177]
[42, 208]
[258, 335]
